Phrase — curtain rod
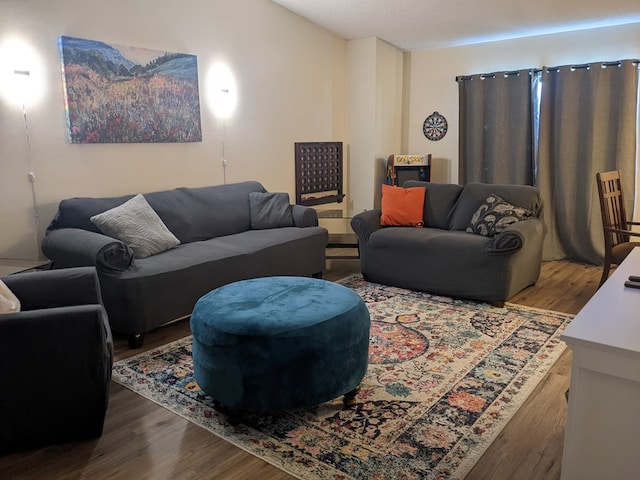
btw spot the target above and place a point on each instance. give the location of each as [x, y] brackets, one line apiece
[482, 76]
[586, 66]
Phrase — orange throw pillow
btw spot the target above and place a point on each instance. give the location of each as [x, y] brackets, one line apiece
[402, 206]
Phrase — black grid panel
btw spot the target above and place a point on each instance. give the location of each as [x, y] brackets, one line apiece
[318, 172]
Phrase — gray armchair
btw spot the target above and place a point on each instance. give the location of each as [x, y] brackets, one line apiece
[55, 359]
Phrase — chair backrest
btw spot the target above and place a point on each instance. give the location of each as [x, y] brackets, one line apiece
[612, 207]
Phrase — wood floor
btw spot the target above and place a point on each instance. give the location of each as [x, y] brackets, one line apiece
[142, 440]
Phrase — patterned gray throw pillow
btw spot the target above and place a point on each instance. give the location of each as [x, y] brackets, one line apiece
[494, 215]
[138, 225]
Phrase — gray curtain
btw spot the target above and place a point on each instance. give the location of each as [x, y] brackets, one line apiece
[495, 121]
[587, 124]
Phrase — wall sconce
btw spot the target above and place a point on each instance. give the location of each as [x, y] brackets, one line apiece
[18, 62]
[223, 99]
[223, 96]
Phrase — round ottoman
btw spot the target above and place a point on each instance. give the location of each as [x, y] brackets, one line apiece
[278, 343]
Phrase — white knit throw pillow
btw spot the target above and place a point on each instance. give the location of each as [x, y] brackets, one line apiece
[9, 303]
[138, 225]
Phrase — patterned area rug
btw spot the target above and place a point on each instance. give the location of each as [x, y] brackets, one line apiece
[445, 377]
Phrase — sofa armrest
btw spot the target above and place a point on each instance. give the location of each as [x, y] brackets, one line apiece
[55, 366]
[55, 288]
[365, 223]
[304, 216]
[75, 247]
[516, 236]
[57, 326]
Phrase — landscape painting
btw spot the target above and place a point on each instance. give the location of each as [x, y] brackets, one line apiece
[119, 94]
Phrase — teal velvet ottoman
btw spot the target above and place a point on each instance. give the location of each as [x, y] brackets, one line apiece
[279, 343]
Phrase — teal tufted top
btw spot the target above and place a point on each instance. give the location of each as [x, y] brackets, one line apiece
[272, 306]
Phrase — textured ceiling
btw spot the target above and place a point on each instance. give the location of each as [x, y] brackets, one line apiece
[422, 24]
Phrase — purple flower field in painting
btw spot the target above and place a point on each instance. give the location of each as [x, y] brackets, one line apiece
[111, 99]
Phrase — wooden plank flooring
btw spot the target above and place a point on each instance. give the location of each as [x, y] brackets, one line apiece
[142, 440]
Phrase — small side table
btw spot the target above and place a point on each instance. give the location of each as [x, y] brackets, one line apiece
[339, 219]
[9, 266]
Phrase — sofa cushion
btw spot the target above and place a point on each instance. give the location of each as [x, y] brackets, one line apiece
[494, 215]
[474, 194]
[270, 210]
[214, 211]
[76, 212]
[438, 202]
[165, 286]
[402, 206]
[138, 225]
[445, 262]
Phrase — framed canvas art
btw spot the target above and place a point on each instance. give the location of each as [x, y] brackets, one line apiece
[119, 94]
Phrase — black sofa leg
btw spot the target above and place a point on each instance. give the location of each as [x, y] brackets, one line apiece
[317, 275]
[135, 340]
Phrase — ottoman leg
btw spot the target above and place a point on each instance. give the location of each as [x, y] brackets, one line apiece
[349, 399]
[218, 407]
[230, 414]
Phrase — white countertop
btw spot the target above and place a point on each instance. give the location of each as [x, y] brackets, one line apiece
[611, 318]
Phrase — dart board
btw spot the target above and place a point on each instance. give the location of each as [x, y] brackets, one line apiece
[435, 126]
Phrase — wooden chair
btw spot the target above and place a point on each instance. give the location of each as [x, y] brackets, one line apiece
[617, 233]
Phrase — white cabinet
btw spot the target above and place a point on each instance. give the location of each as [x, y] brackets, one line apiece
[602, 436]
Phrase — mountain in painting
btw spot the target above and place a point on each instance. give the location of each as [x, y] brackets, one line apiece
[109, 62]
[100, 57]
[177, 65]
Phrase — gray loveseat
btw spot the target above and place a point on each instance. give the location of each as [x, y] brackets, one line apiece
[443, 258]
[217, 245]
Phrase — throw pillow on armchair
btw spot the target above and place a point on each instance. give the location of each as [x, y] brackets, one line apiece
[9, 303]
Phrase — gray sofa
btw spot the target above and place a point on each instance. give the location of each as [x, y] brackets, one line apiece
[217, 246]
[443, 258]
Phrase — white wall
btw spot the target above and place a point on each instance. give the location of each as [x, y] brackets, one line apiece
[296, 82]
[361, 121]
[432, 74]
[374, 125]
[389, 96]
[291, 87]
